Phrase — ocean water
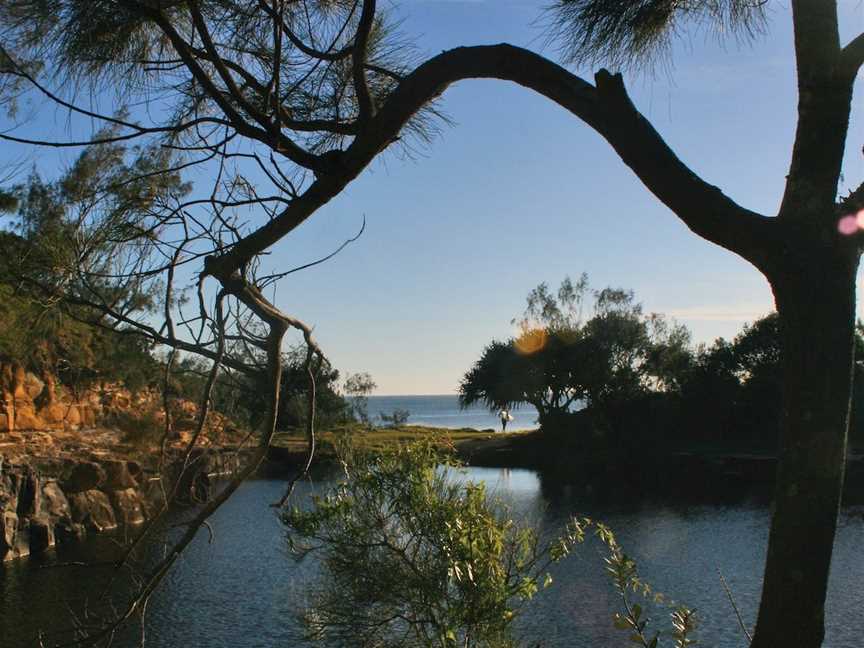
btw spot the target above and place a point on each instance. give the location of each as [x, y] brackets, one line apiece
[443, 411]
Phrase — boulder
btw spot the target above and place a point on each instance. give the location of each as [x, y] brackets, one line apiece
[41, 534]
[84, 476]
[66, 530]
[29, 493]
[54, 501]
[17, 531]
[22, 541]
[118, 476]
[17, 380]
[128, 506]
[92, 508]
[88, 415]
[55, 413]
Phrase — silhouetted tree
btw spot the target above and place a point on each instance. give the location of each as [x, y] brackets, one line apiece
[564, 363]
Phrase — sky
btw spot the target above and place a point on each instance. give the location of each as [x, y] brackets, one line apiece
[518, 191]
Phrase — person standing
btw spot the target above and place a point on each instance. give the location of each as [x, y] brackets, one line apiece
[505, 417]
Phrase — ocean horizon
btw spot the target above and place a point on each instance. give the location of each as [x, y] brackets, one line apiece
[442, 410]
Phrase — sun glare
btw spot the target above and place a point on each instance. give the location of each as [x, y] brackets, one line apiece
[531, 341]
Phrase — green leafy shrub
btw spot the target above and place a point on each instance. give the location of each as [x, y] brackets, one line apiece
[396, 418]
[414, 558]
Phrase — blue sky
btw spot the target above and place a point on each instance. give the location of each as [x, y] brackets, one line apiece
[518, 191]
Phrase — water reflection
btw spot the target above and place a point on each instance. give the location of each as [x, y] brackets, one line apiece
[244, 590]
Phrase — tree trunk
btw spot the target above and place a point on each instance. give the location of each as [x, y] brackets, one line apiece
[815, 295]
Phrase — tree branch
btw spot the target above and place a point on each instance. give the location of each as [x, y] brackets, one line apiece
[852, 57]
[606, 108]
[290, 149]
[365, 106]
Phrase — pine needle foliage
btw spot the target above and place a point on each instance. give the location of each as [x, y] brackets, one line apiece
[639, 33]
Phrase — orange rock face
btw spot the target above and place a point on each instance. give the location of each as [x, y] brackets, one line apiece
[30, 403]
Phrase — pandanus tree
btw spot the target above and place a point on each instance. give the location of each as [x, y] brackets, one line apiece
[311, 91]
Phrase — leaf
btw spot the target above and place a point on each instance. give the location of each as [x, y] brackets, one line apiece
[621, 622]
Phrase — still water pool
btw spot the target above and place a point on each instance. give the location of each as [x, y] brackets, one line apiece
[244, 589]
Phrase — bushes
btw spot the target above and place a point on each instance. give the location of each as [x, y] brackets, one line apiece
[414, 558]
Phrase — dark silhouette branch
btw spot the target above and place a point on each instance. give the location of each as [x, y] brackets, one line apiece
[852, 57]
[365, 106]
[605, 107]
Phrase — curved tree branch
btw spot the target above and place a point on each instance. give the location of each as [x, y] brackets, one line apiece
[605, 107]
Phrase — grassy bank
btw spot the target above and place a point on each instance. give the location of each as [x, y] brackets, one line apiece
[292, 445]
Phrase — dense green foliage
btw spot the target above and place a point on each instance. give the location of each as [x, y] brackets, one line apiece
[85, 219]
[413, 557]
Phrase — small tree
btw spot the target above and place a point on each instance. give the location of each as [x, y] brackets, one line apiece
[358, 386]
[414, 558]
[396, 418]
[559, 360]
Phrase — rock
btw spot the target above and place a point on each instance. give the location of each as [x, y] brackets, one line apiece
[93, 509]
[54, 501]
[17, 380]
[33, 387]
[55, 413]
[7, 406]
[14, 536]
[73, 417]
[84, 476]
[8, 533]
[41, 534]
[88, 415]
[118, 475]
[26, 417]
[29, 494]
[22, 540]
[66, 530]
[128, 506]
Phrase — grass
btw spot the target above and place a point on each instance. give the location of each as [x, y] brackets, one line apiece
[362, 438]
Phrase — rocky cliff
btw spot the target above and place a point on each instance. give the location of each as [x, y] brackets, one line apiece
[66, 469]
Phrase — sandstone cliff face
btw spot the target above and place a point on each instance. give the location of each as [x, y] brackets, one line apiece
[32, 403]
[28, 402]
[66, 469]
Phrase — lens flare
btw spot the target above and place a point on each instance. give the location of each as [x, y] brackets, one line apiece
[531, 341]
[848, 225]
